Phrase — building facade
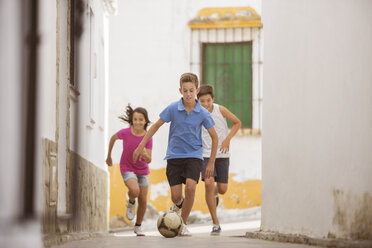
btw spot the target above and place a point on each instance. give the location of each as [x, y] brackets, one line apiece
[58, 53]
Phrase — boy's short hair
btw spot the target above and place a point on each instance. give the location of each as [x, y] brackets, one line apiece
[206, 89]
[189, 77]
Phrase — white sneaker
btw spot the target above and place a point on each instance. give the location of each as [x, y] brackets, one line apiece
[130, 210]
[175, 208]
[185, 232]
[138, 230]
[216, 230]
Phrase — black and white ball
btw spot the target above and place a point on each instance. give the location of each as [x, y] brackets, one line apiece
[170, 224]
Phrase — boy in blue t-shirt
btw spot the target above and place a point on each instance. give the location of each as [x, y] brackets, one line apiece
[185, 150]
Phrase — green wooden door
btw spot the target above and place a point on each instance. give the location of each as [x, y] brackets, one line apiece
[228, 67]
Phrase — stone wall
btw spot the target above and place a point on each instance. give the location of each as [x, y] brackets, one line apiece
[87, 195]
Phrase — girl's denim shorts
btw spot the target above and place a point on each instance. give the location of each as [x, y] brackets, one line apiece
[143, 180]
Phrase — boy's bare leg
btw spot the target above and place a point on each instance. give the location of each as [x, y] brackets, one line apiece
[221, 188]
[176, 193]
[142, 204]
[189, 199]
[210, 198]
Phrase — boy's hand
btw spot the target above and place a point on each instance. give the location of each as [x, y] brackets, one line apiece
[209, 170]
[144, 153]
[137, 153]
[109, 161]
[225, 146]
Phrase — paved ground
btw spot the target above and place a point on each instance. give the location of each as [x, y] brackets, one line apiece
[231, 237]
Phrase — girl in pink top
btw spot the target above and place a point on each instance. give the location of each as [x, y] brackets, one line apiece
[135, 175]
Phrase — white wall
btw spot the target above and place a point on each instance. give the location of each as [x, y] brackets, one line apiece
[149, 50]
[91, 80]
[13, 93]
[11, 128]
[47, 73]
[62, 105]
[47, 70]
[12, 133]
[54, 67]
[317, 160]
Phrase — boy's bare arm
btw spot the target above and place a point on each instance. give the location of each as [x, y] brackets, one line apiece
[111, 145]
[147, 137]
[225, 145]
[146, 155]
[212, 158]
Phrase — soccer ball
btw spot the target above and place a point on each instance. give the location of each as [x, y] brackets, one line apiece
[170, 224]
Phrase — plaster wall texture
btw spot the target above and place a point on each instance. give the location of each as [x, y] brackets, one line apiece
[316, 162]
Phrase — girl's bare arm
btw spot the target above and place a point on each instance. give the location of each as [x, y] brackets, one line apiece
[111, 145]
[147, 137]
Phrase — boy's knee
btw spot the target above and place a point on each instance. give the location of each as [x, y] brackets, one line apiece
[190, 189]
[176, 198]
[222, 190]
[209, 184]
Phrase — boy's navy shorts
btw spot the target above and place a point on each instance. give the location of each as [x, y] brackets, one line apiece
[221, 169]
[179, 169]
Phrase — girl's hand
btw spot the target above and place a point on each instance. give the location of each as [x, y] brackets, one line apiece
[225, 146]
[109, 161]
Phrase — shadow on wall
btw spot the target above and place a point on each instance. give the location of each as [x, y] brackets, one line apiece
[240, 195]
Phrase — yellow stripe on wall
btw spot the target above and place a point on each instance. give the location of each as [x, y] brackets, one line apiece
[240, 195]
[226, 17]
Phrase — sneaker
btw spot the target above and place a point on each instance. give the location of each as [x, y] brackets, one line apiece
[216, 230]
[185, 232]
[177, 209]
[130, 210]
[138, 230]
[217, 200]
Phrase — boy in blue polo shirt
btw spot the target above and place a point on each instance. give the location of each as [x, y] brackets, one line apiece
[185, 150]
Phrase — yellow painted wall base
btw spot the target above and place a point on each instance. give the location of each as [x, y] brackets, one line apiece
[240, 195]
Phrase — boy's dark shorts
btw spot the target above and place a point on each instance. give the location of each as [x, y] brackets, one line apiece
[221, 169]
[179, 169]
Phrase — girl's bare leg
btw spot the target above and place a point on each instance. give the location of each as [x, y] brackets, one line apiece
[142, 204]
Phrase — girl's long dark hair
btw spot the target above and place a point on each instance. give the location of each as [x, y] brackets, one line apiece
[128, 116]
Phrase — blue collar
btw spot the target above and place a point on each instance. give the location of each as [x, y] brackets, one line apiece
[182, 108]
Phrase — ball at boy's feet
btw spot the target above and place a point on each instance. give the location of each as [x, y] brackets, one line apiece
[169, 224]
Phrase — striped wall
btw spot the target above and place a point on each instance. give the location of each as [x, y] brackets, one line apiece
[240, 195]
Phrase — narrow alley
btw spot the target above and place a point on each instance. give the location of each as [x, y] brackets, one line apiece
[233, 236]
[296, 73]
